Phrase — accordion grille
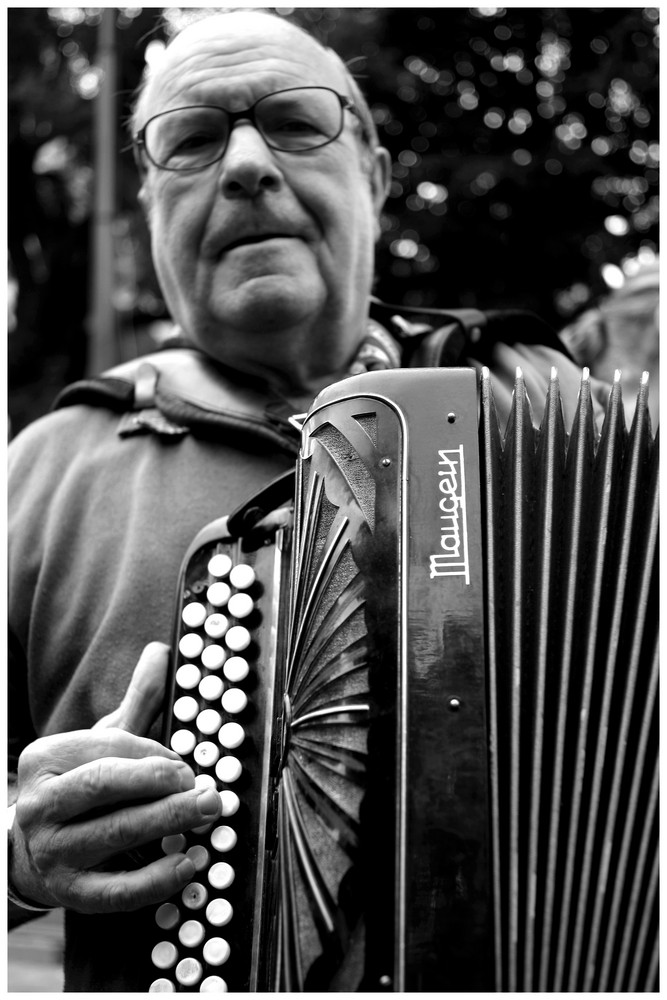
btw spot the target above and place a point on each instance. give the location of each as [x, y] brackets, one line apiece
[570, 529]
[327, 718]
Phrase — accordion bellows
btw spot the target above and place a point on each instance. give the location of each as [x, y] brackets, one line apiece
[426, 689]
[571, 525]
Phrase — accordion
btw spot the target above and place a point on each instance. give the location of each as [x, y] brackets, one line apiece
[422, 674]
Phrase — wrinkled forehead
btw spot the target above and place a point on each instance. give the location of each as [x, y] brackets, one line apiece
[233, 59]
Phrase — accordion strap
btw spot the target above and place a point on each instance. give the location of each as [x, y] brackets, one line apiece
[444, 338]
[178, 390]
[276, 496]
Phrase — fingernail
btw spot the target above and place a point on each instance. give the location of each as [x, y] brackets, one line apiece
[208, 802]
[185, 869]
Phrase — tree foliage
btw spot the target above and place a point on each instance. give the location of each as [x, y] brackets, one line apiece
[525, 144]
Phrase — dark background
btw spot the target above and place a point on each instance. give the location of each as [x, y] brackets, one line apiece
[525, 144]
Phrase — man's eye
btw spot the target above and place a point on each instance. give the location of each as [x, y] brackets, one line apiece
[193, 141]
[295, 125]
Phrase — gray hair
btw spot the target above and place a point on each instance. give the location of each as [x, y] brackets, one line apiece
[175, 20]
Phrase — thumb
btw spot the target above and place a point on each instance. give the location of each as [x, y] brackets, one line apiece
[145, 693]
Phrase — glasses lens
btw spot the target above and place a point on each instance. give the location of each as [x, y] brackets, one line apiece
[187, 138]
[294, 120]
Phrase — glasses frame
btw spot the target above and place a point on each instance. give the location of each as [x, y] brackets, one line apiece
[139, 139]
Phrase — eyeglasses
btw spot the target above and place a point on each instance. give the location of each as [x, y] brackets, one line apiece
[293, 121]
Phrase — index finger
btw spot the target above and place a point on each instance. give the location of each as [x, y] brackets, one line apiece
[104, 783]
[52, 755]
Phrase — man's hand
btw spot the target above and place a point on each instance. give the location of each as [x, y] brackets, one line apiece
[86, 796]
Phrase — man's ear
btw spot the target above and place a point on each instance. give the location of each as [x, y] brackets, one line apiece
[380, 179]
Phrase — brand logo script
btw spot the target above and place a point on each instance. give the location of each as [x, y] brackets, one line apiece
[453, 559]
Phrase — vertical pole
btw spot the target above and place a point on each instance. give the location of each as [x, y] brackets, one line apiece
[103, 341]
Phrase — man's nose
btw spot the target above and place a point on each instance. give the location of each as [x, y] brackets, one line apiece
[248, 166]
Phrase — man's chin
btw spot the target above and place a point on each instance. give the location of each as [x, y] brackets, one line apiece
[269, 302]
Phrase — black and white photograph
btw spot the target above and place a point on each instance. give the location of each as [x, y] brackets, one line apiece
[332, 514]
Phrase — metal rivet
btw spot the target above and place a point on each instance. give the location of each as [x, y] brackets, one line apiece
[454, 704]
[451, 417]
[386, 462]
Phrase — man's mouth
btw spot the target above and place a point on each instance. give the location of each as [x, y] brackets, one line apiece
[261, 238]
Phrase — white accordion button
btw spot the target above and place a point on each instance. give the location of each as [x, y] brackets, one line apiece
[188, 676]
[194, 614]
[237, 638]
[216, 626]
[219, 912]
[208, 721]
[230, 802]
[191, 933]
[211, 688]
[216, 951]
[223, 839]
[219, 564]
[240, 605]
[231, 735]
[199, 856]
[213, 657]
[206, 754]
[191, 645]
[166, 986]
[164, 955]
[218, 594]
[183, 742]
[236, 669]
[203, 781]
[173, 844]
[189, 971]
[229, 769]
[221, 875]
[167, 916]
[234, 700]
[213, 984]
[194, 896]
[186, 708]
[242, 576]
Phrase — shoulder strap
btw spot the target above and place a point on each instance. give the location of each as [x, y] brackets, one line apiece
[445, 337]
[115, 393]
[179, 391]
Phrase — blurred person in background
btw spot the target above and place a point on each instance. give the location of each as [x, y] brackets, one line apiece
[620, 332]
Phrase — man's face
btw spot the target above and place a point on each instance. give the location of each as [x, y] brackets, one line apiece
[265, 258]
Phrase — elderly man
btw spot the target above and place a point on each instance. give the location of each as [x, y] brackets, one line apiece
[262, 186]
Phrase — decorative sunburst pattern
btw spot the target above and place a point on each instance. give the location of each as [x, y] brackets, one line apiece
[333, 694]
